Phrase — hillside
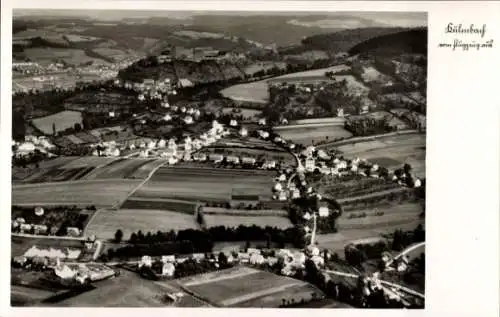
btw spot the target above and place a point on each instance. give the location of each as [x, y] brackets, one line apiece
[343, 41]
[412, 41]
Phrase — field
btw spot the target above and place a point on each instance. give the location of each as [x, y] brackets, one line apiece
[251, 92]
[80, 38]
[394, 149]
[235, 221]
[62, 121]
[393, 215]
[88, 161]
[181, 206]
[68, 55]
[242, 212]
[308, 134]
[31, 173]
[198, 35]
[257, 91]
[335, 242]
[27, 296]
[117, 292]
[143, 171]
[245, 287]
[106, 222]
[119, 169]
[99, 193]
[115, 54]
[198, 183]
[315, 73]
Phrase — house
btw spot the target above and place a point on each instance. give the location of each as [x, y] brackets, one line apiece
[199, 157]
[278, 187]
[307, 216]
[340, 112]
[253, 251]
[167, 117]
[310, 164]
[187, 156]
[319, 261]
[417, 183]
[25, 227]
[262, 121]
[172, 160]
[168, 269]
[323, 211]
[248, 160]
[188, 120]
[40, 229]
[244, 257]
[263, 134]
[233, 159]
[168, 258]
[269, 164]
[184, 82]
[233, 123]
[243, 132]
[20, 260]
[295, 193]
[282, 196]
[65, 272]
[256, 259]
[146, 261]
[198, 256]
[216, 158]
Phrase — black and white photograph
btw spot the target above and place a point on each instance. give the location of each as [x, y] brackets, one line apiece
[218, 159]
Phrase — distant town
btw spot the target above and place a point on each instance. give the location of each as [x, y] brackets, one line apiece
[201, 163]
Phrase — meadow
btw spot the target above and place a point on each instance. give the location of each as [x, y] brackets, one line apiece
[106, 222]
[242, 287]
[394, 149]
[309, 134]
[102, 193]
[61, 120]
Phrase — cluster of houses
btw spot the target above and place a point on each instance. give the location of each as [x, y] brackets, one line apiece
[31, 144]
[292, 260]
[21, 226]
[33, 68]
[83, 272]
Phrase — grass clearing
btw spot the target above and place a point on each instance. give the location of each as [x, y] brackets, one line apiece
[68, 55]
[306, 135]
[198, 183]
[122, 169]
[61, 120]
[399, 149]
[103, 193]
[105, 224]
[236, 287]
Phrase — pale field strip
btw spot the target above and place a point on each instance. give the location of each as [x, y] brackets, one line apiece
[215, 277]
[264, 292]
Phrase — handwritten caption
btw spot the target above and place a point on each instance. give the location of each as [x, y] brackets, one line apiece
[466, 37]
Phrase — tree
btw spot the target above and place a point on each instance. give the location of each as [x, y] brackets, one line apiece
[53, 128]
[118, 236]
[222, 258]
